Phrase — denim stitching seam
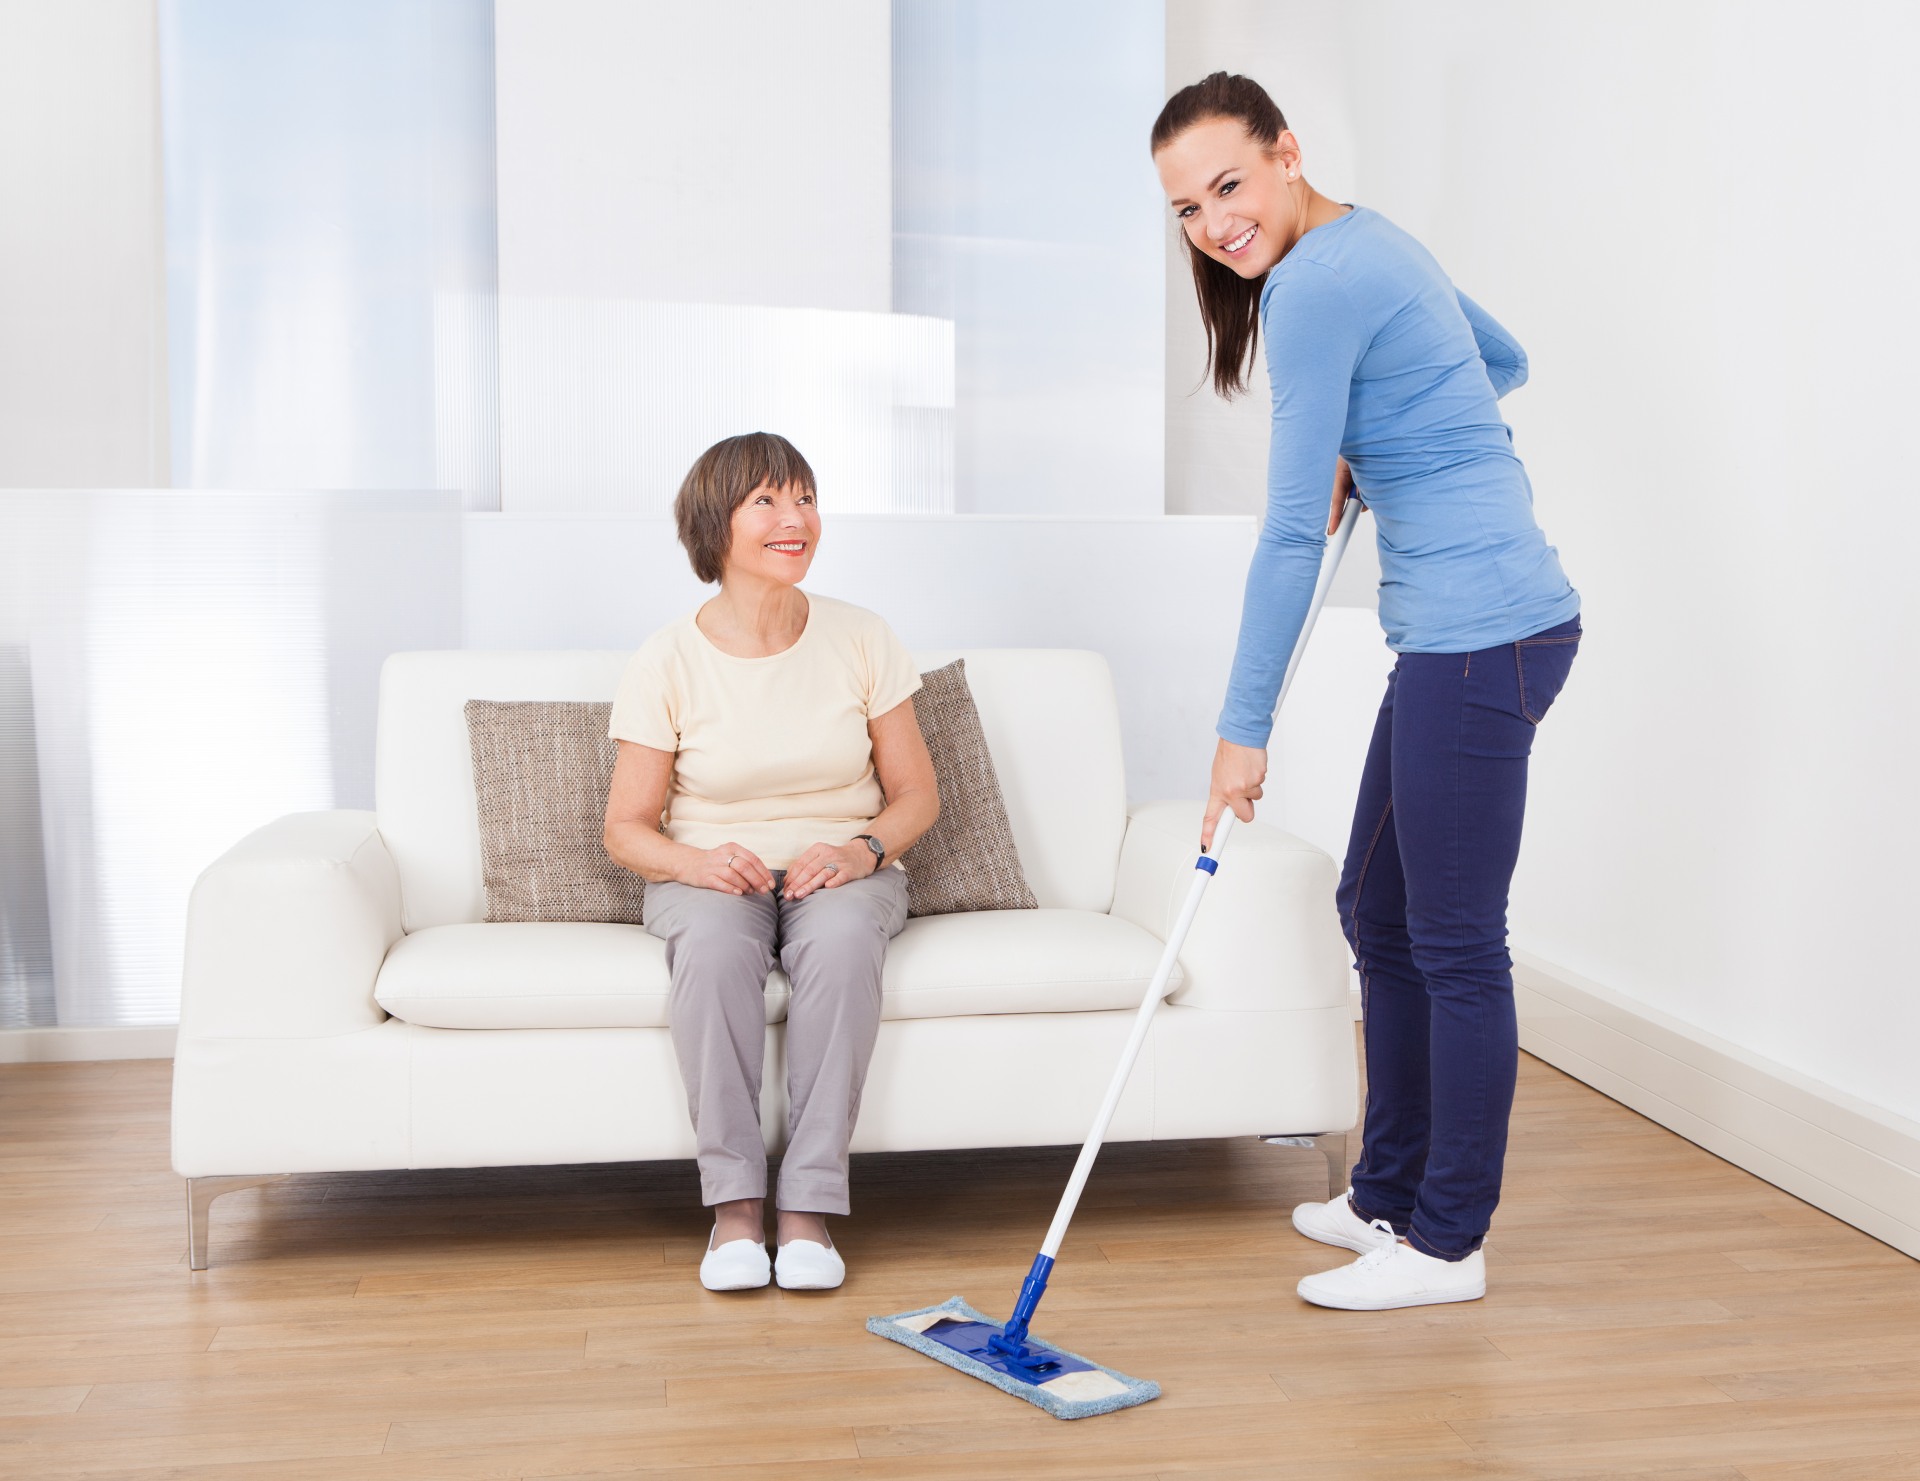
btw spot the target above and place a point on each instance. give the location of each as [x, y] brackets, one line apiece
[1520, 673]
[1366, 863]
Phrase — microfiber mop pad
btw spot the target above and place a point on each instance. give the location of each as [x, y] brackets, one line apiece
[1082, 1389]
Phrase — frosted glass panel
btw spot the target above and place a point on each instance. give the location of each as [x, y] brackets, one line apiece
[1026, 210]
[606, 402]
[331, 244]
[26, 937]
[190, 667]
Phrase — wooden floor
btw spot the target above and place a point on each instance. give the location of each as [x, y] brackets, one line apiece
[1653, 1312]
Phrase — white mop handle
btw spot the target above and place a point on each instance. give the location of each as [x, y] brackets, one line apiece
[1083, 1166]
[1329, 563]
[1176, 938]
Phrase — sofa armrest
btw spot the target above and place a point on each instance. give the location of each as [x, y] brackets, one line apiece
[287, 929]
[1267, 935]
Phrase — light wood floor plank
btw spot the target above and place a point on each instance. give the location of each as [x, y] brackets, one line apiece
[19, 1402]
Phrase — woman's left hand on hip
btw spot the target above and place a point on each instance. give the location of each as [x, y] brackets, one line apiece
[828, 866]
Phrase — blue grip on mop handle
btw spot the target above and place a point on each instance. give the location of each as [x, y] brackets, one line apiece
[1012, 1339]
[1212, 866]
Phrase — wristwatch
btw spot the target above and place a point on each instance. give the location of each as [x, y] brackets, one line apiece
[879, 848]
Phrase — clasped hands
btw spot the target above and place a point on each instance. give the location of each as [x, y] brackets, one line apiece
[736, 870]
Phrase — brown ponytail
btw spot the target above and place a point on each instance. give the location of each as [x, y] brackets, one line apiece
[1229, 303]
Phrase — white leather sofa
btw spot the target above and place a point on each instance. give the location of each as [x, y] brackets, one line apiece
[344, 1006]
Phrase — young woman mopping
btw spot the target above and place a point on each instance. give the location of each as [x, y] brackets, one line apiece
[1385, 379]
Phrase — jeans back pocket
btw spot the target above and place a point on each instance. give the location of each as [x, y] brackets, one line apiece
[1543, 663]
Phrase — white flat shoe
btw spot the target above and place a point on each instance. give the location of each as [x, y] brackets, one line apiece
[1397, 1275]
[1334, 1222]
[737, 1265]
[803, 1265]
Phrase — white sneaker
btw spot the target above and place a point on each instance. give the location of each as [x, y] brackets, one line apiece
[737, 1265]
[1334, 1222]
[803, 1265]
[1397, 1275]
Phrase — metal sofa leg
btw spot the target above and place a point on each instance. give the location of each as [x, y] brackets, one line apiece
[1333, 1146]
[1330, 1144]
[200, 1195]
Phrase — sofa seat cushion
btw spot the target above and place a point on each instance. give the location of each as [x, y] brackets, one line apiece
[546, 974]
[1018, 961]
[578, 974]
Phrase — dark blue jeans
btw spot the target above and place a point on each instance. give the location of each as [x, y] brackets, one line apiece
[1423, 900]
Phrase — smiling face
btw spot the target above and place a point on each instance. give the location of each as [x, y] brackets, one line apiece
[775, 532]
[1235, 200]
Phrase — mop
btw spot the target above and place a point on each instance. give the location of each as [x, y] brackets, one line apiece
[1065, 1384]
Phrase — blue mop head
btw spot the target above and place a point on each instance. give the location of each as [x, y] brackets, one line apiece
[1085, 1390]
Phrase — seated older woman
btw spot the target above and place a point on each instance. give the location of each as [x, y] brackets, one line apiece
[770, 774]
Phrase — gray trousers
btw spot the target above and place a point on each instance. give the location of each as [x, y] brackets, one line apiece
[719, 950]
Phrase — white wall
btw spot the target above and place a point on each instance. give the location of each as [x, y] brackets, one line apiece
[696, 240]
[82, 344]
[1026, 211]
[733, 153]
[607, 402]
[1699, 221]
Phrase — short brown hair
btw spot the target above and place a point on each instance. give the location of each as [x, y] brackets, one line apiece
[718, 483]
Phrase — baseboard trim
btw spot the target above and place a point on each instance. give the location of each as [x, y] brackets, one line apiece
[62, 1045]
[1837, 1152]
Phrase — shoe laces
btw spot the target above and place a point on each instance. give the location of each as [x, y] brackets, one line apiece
[1385, 1252]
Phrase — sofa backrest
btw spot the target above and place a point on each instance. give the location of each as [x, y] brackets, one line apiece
[1050, 718]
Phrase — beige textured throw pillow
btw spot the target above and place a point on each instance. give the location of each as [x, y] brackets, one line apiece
[540, 774]
[967, 860]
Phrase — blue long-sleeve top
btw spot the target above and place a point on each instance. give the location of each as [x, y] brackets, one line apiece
[1374, 356]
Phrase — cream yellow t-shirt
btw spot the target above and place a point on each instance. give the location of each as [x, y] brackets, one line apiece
[771, 753]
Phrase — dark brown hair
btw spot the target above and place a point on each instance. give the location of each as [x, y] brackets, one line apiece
[1229, 303]
[719, 482]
